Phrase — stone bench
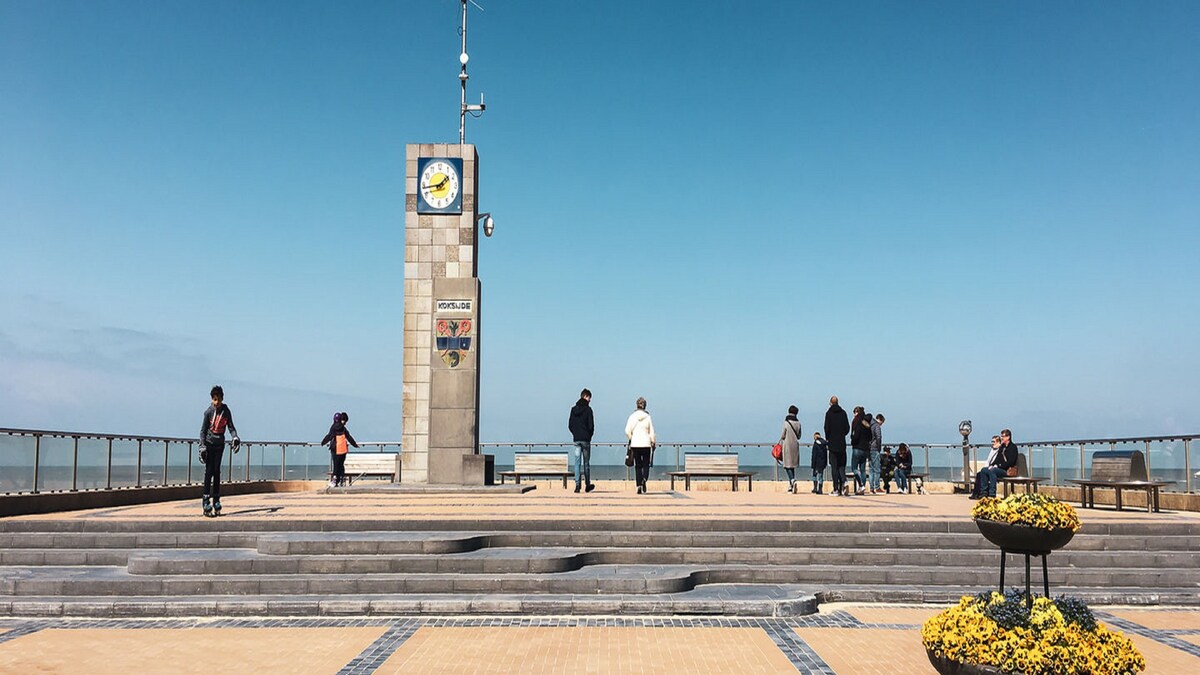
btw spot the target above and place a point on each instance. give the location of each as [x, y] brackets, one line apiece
[711, 465]
[551, 464]
[1119, 470]
[374, 464]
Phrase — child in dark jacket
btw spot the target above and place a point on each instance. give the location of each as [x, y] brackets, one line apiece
[820, 459]
[339, 439]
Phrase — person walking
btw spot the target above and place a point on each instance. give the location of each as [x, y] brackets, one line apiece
[339, 441]
[876, 427]
[217, 419]
[582, 425]
[789, 438]
[820, 456]
[860, 440]
[639, 429]
[836, 428]
[904, 463]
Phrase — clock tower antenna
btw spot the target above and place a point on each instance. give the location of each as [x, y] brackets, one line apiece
[464, 109]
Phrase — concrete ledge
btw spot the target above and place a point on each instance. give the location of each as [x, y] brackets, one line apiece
[54, 502]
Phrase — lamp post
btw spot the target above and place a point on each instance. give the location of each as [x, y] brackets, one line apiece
[964, 428]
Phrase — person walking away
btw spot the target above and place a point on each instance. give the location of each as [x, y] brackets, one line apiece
[887, 468]
[217, 419]
[820, 455]
[860, 440]
[582, 425]
[339, 439]
[836, 428]
[639, 429]
[790, 439]
[876, 426]
[904, 461]
[1006, 457]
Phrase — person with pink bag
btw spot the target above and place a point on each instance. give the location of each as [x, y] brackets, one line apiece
[789, 438]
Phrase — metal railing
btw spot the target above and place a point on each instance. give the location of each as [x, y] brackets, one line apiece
[33, 461]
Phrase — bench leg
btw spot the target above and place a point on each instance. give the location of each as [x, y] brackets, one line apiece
[1155, 499]
[687, 483]
[735, 483]
[1118, 498]
[1083, 496]
[749, 483]
[564, 482]
[672, 483]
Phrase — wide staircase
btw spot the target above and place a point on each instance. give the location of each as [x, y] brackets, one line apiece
[584, 567]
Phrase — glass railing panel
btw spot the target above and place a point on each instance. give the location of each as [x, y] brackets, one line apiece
[56, 460]
[16, 463]
[178, 457]
[124, 463]
[1165, 460]
[93, 463]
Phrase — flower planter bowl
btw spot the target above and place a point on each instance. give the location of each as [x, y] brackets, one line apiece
[1022, 538]
[946, 666]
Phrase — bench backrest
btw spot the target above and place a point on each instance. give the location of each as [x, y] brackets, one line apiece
[1118, 465]
[711, 463]
[371, 462]
[540, 462]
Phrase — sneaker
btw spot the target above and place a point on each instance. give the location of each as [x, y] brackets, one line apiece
[589, 487]
[204, 504]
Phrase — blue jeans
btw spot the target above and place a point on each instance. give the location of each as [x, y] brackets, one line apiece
[859, 464]
[874, 469]
[818, 480]
[791, 474]
[583, 462]
[901, 478]
[989, 478]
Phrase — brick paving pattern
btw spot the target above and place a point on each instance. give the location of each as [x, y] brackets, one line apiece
[841, 639]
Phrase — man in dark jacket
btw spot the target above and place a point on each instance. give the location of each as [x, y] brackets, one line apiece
[836, 428]
[997, 468]
[582, 426]
[860, 440]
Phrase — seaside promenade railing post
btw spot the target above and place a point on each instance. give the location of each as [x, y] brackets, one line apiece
[248, 451]
[166, 460]
[1054, 464]
[927, 460]
[138, 477]
[189, 463]
[1149, 469]
[283, 461]
[37, 460]
[108, 473]
[75, 464]
[1187, 461]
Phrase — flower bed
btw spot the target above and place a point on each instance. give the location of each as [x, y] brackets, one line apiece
[1055, 637]
[1032, 510]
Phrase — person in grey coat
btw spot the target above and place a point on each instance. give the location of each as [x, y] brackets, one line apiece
[789, 438]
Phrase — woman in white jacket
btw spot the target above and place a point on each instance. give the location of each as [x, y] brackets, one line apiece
[640, 432]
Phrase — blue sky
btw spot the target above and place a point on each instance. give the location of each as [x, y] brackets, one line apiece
[940, 210]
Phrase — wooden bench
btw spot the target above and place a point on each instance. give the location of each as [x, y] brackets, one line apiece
[711, 465]
[553, 464]
[1022, 478]
[1119, 470]
[375, 464]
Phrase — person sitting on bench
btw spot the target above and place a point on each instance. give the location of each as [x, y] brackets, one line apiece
[1002, 457]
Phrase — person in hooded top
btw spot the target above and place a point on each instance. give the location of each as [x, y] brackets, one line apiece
[582, 426]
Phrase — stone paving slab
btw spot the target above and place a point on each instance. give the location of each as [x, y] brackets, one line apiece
[836, 640]
[1160, 619]
[610, 501]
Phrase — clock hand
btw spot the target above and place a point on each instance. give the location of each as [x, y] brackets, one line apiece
[436, 186]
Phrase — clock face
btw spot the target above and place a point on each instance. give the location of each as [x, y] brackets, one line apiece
[439, 185]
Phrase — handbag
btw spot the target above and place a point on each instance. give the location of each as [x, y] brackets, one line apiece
[628, 455]
[777, 452]
[1011, 472]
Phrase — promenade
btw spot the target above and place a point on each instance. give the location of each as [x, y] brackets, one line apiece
[841, 637]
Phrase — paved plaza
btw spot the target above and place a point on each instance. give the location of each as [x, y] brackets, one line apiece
[840, 638]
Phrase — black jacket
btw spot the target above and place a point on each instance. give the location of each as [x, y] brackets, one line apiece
[860, 436]
[206, 432]
[1007, 457]
[820, 454]
[337, 429]
[836, 428]
[581, 423]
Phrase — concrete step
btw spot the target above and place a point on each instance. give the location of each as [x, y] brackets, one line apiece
[730, 525]
[714, 599]
[400, 542]
[547, 560]
[50, 580]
